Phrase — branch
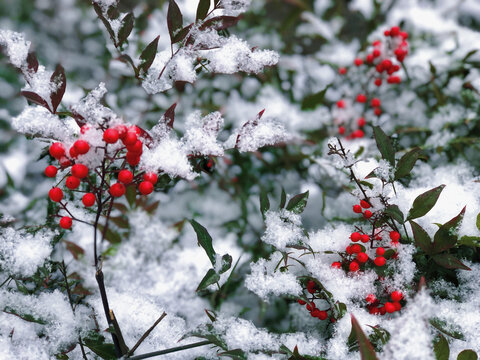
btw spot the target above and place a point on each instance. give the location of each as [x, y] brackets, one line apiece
[144, 336]
[171, 350]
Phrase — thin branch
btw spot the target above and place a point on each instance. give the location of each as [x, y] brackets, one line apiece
[144, 336]
[171, 350]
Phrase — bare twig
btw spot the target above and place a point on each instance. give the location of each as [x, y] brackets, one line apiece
[144, 336]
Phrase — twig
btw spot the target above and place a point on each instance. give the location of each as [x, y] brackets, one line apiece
[171, 350]
[144, 336]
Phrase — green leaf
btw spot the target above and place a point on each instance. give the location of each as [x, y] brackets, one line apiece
[205, 240]
[264, 203]
[126, 28]
[473, 241]
[394, 212]
[424, 202]
[449, 261]
[467, 355]
[211, 277]
[478, 221]
[310, 102]
[297, 203]
[406, 163]
[422, 239]
[236, 354]
[441, 348]
[202, 9]
[105, 351]
[226, 263]
[446, 236]
[283, 199]
[367, 351]
[445, 328]
[174, 19]
[384, 145]
[131, 195]
[148, 54]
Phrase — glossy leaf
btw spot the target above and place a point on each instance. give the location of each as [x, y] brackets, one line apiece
[424, 202]
[127, 26]
[169, 116]
[478, 221]
[297, 203]
[384, 145]
[202, 9]
[394, 212]
[314, 100]
[449, 261]
[441, 348]
[211, 277]
[467, 355]
[35, 98]
[32, 62]
[226, 263]
[59, 79]
[220, 22]
[148, 55]
[283, 199]
[174, 19]
[406, 163]
[264, 203]
[422, 239]
[105, 22]
[446, 236]
[205, 240]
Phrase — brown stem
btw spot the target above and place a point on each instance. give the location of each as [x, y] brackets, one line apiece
[144, 336]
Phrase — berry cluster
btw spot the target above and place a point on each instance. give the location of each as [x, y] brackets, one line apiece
[313, 290]
[120, 161]
[381, 64]
[376, 307]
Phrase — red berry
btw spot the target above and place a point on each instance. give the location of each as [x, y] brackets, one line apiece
[125, 176]
[336, 265]
[378, 82]
[311, 306]
[314, 313]
[397, 306]
[362, 257]
[382, 310]
[66, 222]
[394, 31]
[311, 286]
[379, 68]
[358, 62]
[377, 111]
[365, 238]
[341, 130]
[84, 128]
[73, 152]
[361, 98]
[81, 146]
[380, 251]
[389, 307]
[394, 236]
[57, 150]
[80, 171]
[358, 134]
[355, 236]
[341, 104]
[150, 176]
[88, 199]
[342, 71]
[386, 33]
[375, 102]
[133, 159]
[353, 266]
[367, 214]
[371, 298]
[364, 204]
[135, 129]
[370, 58]
[130, 138]
[387, 64]
[394, 80]
[377, 43]
[357, 209]
[110, 136]
[72, 182]
[404, 35]
[301, 302]
[396, 296]
[379, 261]
[117, 189]
[122, 131]
[64, 162]
[361, 122]
[376, 53]
[322, 315]
[349, 250]
[51, 171]
[145, 187]
[356, 248]
[136, 148]
[55, 194]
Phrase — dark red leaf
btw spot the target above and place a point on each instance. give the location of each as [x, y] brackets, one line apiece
[60, 81]
[35, 98]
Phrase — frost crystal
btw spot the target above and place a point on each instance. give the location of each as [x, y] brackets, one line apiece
[282, 228]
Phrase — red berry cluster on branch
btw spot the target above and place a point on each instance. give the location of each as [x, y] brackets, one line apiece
[379, 65]
[119, 162]
[315, 312]
[376, 307]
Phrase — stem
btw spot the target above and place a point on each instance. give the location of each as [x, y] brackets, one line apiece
[171, 350]
[144, 336]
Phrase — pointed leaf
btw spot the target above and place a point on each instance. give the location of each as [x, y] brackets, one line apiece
[467, 355]
[384, 145]
[202, 9]
[365, 346]
[226, 263]
[106, 23]
[60, 81]
[446, 236]
[126, 28]
[169, 116]
[394, 212]
[32, 62]
[283, 198]
[264, 203]
[174, 19]
[235, 354]
[205, 240]
[220, 22]
[314, 100]
[35, 98]
[441, 348]
[211, 277]
[422, 239]
[148, 55]
[406, 163]
[424, 202]
[298, 202]
[181, 34]
[449, 261]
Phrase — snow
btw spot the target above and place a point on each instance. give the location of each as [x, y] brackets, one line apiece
[283, 228]
[17, 47]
